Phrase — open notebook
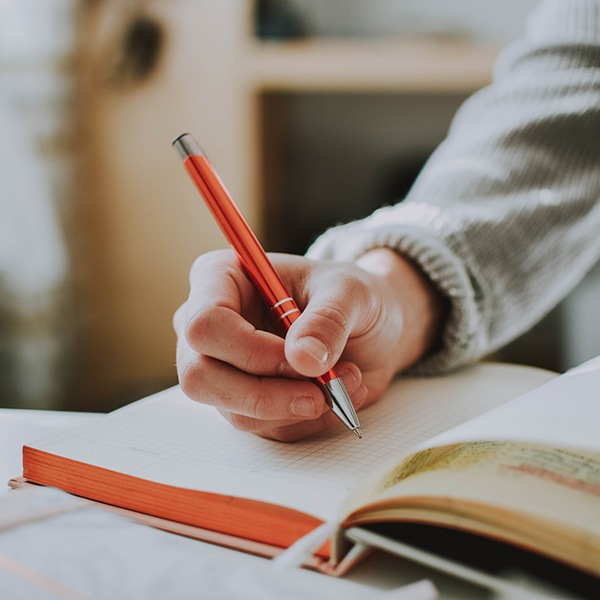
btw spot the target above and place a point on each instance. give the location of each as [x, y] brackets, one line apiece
[171, 458]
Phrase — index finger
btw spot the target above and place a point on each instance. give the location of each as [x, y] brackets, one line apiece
[224, 318]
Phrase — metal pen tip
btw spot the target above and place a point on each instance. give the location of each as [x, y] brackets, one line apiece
[339, 401]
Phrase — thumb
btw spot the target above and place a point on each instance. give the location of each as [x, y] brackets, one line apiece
[316, 340]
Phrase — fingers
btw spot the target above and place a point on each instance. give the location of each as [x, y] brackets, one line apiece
[214, 382]
[228, 357]
[284, 431]
[223, 318]
[289, 430]
[338, 308]
[223, 334]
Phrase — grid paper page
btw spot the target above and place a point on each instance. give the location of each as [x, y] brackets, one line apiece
[172, 440]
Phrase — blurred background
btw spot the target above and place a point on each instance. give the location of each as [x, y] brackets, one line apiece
[315, 112]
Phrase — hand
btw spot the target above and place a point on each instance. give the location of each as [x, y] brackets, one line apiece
[369, 320]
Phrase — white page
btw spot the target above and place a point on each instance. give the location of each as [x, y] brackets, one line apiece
[563, 413]
[170, 439]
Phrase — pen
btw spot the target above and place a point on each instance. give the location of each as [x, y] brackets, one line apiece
[256, 264]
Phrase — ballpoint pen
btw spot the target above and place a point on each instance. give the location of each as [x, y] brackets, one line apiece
[256, 264]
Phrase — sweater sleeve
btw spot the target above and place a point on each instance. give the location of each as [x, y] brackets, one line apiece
[505, 218]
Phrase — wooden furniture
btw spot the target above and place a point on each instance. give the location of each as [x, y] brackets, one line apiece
[140, 223]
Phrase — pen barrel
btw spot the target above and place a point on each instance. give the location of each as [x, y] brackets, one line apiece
[285, 312]
[245, 244]
[241, 238]
[256, 263]
[327, 377]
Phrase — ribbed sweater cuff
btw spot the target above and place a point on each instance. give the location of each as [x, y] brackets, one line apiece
[565, 21]
[462, 334]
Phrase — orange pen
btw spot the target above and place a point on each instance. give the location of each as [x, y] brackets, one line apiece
[256, 264]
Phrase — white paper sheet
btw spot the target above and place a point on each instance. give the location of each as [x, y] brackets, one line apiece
[563, 413]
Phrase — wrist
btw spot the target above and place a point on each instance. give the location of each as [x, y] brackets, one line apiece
[423, 307]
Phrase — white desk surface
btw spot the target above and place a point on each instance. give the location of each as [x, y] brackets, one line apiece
[18, 427]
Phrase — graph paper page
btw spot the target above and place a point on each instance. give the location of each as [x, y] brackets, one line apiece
[170, 439]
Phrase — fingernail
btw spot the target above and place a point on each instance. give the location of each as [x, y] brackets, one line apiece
[351, 381]
[304, 407]
[316, 348]
[359, 396]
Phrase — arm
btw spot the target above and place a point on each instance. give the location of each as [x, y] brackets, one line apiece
[504, 218]
[502, 222]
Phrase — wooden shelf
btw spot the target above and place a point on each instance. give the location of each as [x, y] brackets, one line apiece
[399, 65]
[141, 220]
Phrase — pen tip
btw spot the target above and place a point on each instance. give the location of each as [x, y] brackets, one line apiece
[358, 433]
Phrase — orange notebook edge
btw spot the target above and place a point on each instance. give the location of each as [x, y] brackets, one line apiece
[82, 480]
[232, 542]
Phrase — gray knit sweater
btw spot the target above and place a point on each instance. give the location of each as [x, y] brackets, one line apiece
[505, 216]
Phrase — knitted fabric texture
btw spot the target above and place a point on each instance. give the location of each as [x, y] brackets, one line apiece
[505, 218]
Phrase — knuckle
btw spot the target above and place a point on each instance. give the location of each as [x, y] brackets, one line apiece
[241, 422]
[190, 379]
[207, 261]
[199, 328]
[332, 318]
[256, 400]
[259, 360]
[179, 318]
[198, 266]
[249, 362]
[281, 434]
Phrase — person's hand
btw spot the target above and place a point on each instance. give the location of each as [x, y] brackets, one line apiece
[369, 319]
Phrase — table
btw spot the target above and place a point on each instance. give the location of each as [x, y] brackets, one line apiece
[375, 575]
[17, 427]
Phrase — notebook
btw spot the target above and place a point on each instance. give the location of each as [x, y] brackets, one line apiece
[182, 466]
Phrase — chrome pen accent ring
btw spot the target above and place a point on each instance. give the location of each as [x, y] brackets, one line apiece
[285, 314]
[281, 302]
